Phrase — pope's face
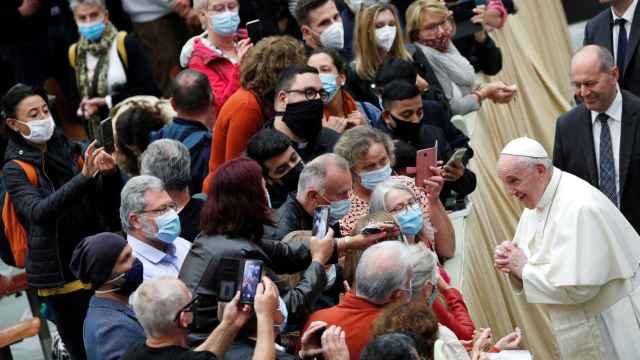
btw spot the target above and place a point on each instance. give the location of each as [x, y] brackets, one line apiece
[522, 181]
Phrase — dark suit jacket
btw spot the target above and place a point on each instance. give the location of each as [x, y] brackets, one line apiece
[574, 152]
[599, 31]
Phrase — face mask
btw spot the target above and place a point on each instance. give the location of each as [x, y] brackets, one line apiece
[385, 36]
[331, 277]
[338, 210]
[168, 226]
[406, 130]
[333, 36]
[370, 179]
[304, 118]
[127, 282]
[40, 130]
[92, 31]
[290, 179]
[434, 295]
[226, 23]
[330, 85]
[410, 221]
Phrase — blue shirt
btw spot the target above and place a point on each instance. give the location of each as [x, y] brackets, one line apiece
[110, 328]
[158, 263]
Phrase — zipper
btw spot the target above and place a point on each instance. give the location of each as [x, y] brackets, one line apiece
[44, 172]
[57, 232]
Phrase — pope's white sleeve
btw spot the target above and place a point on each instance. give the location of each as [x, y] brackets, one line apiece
[539, 290]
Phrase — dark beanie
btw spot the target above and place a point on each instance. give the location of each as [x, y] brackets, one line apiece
[95, 256]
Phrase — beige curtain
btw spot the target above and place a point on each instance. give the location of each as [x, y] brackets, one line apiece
[537, 52]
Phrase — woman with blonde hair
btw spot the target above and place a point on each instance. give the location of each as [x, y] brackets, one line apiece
[430, 28]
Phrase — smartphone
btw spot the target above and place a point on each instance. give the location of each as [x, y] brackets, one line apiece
[228, 276]
[105, 136]
[458, 155]
[320, 222]
[371, 229]
[251, 276]
[425, 158]
[254, 30]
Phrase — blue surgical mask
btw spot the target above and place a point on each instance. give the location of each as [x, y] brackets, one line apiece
[168, 226]
[338, 210]
[372, 178]
[433, 296]
[330, 85]
[410, 220]
[92, 31]
[225, 23]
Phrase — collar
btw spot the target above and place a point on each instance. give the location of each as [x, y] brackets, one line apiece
[99, 302]
[351, 300]
[188, 122]
[615, 109]
[547, 196]
[148, 252]
[628, 15]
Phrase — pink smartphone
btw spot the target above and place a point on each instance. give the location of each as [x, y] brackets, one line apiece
[425, 158]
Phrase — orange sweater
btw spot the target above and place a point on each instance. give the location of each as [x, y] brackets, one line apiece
[238, 120]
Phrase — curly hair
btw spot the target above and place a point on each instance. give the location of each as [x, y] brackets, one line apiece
[354, 144]
[415, 319]
[260, 67]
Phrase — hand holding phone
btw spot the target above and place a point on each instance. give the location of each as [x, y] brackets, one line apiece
[251, 277]
[254, 29]
[425, 159]
[458, 155]
[105, 135]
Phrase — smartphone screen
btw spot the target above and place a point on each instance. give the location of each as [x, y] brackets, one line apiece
[251, 276]
[320, 222]
[425, 158]
[254, 30]
[106, 135]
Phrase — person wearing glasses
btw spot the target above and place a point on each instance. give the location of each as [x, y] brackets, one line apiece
[299, 105]
[166, 308]
[150, 219]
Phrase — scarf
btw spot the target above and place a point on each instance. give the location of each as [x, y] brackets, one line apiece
[450, 67]
[97, 85]
[348, 104]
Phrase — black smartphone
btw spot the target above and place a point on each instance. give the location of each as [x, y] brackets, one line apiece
[320, 222]
[251, 276]
[371, 229]
[105, 136]
[254, 30]
[228, 276]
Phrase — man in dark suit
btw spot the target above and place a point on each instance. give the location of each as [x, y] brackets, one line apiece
[618, 30]
[599, 140]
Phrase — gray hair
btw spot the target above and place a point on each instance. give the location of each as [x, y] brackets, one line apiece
[73, 4]
[156, 303]
[605, 57]
[354, 144]
[424, 265]
[377, 203]
[383, 268]
[168, 160]
[531, 162]
[132, 196]
[314, 174]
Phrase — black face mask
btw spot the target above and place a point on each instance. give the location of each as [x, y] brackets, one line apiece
[304, 118]
[290, 179]
[407, 131]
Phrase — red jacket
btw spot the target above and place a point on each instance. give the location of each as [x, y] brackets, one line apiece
[224, 76]
[355, 316]
[454, 314]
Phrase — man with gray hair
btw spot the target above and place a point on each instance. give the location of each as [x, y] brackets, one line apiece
[574, 253]
[149, 217]
[165, 309]
[169, 161]
[192, 99]
[599, 140]
[383, 276]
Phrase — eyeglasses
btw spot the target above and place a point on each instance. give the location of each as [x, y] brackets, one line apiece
[161, 211]
[443, 25]
[311, 93]
[401, 208]
[190, 307]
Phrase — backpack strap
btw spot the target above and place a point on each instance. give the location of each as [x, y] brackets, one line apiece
[122, 50]
[195, 138]
[73, 52]
[30, 170]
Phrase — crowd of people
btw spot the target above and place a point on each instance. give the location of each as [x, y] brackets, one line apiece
[178, 140]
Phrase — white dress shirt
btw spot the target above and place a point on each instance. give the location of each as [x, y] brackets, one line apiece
[628, 15]
[158, 263]
[615, 128]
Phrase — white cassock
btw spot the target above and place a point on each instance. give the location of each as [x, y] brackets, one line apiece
[582, 261]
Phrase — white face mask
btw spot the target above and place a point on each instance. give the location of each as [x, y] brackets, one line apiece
[333, 36]
[385, 36]
[40, 130]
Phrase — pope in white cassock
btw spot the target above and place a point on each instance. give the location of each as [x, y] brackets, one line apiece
[573, 252]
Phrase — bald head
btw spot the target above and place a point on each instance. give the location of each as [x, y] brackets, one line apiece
[191, 92]
[595, 77]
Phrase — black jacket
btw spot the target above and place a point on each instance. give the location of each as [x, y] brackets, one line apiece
[293, 217]
[485, 57]
[64, 208]
[199, 269]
